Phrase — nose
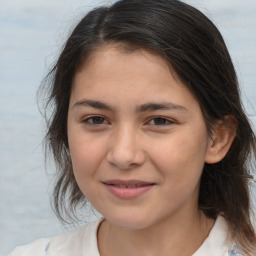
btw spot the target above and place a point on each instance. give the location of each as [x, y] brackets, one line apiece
[125, 150]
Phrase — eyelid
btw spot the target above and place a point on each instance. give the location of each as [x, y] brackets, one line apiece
[86, 119]
[169, 121]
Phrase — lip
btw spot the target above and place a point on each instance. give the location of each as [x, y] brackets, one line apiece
[129, 189]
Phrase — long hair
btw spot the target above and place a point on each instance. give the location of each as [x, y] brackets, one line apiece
[196, 51]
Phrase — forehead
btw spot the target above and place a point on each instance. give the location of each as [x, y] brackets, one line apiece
[118, 75]
[101, 51]
[117, 63]
[122, 57]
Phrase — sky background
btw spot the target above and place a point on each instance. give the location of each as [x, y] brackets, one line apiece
[31, 35]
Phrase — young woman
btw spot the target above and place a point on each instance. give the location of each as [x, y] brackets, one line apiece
[148, 126]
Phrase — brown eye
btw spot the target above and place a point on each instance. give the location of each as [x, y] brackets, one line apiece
[95, 120]
[160, 121]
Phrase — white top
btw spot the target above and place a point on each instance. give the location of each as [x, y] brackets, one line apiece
[83, 242]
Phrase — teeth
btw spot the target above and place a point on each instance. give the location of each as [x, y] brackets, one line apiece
[127, 186]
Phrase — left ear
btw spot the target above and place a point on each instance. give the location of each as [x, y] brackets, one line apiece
[221, 140]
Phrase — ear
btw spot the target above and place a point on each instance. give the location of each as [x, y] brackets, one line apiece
[221, 140]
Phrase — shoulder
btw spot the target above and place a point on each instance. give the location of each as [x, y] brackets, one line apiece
[83, 239]
[218, 242]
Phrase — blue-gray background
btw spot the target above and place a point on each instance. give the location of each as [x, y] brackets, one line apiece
[31, 34]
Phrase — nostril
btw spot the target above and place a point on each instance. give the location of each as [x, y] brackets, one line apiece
[124, 159]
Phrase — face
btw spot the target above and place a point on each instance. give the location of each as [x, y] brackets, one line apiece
[137, 138]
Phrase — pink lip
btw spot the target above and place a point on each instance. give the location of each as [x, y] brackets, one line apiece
[129, 189]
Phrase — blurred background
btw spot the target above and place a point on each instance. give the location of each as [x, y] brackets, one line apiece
[31, 35]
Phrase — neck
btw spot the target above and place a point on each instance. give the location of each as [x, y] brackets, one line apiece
[180, 235]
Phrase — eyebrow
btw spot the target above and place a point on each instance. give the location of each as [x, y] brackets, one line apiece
[94, 104]
[151, 106]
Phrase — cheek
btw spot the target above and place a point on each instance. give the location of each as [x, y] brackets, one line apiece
[181, 167]
[85, 161]
[86, 154]
[182, 157]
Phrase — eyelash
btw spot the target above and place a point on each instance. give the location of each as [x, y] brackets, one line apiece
[91, 119]
[166, 121]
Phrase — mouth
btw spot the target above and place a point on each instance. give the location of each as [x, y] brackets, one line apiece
[127, 186]
[130, 189]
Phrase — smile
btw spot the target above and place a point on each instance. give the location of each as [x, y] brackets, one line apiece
[127, 189]
[128, 186]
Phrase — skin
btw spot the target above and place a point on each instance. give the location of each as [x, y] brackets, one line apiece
[147, 127]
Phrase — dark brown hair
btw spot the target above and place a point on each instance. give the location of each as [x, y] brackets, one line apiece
[196, 51]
